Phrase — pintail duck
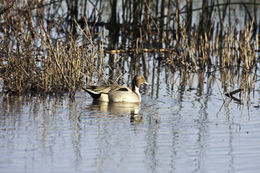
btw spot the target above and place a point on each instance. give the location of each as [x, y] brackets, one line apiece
[117, 93]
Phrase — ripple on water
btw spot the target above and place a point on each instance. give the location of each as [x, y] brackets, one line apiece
[77, 136]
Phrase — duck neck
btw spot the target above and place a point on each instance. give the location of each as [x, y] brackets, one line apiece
[135, 89]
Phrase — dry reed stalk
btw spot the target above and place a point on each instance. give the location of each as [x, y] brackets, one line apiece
[60, 67]
[65, 64]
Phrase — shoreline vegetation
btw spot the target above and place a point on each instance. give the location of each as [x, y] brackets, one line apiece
[60, 46]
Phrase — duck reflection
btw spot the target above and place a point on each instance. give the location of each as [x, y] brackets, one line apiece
[119, 109]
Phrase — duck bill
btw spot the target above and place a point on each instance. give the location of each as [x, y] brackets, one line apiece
[146, 83]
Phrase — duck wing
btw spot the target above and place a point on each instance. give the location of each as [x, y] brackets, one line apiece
[98, 90]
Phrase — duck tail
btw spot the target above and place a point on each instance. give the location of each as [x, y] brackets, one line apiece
[93, 94]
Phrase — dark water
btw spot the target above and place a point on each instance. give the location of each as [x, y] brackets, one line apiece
[177, 133]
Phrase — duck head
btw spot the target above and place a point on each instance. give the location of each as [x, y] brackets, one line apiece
[137, 81]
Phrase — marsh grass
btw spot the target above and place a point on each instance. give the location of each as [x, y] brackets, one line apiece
[47, 50]
[33, 62]
[57, 68]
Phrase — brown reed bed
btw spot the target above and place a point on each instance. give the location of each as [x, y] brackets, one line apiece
[31, 61]
[56, 68]
[47, 50]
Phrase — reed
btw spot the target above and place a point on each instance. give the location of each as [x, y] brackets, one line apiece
[35, 62]
[47, 49]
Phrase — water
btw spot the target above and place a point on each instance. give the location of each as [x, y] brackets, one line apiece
[187, 132]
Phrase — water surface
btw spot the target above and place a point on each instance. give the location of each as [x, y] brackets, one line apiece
[174, 132]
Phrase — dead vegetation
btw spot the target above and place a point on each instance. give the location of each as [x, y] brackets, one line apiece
[47, 49]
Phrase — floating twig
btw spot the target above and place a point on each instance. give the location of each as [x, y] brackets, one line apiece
[230, 95]
[115, 51]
